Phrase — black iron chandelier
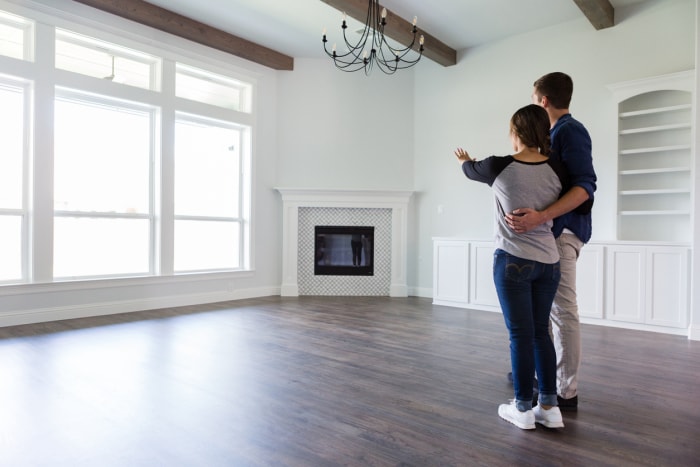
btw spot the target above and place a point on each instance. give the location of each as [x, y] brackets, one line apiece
[372, 48]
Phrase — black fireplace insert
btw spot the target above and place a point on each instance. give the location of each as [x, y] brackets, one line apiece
[343, 250]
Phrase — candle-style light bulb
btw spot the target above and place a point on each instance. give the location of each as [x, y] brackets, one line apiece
[422, 40]
[415, 20]
[383, 13]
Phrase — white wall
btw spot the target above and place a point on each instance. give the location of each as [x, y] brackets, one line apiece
[471, 103]
[344, 130]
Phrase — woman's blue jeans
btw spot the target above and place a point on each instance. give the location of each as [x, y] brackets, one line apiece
[526, 290]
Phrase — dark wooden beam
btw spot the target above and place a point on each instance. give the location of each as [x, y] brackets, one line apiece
[600, 13]
[178, 25]
[399, 30]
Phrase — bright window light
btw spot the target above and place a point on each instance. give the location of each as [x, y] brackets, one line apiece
[100, 247]
[16, 36]
[202, 86]
[10, 248]
[102, 187]
[99, 59]
[207, 194]
[207, 245]
[95, 162]
[11, 146]
[207, 169]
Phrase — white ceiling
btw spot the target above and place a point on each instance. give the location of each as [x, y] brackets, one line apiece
[294, 27]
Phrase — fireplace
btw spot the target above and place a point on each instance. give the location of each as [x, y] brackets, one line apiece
[305, 208]
[343, 250]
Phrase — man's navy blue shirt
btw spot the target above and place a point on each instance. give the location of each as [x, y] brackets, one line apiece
[571, 144]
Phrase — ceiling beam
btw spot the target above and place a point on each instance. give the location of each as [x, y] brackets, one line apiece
[600, 13]
[399, 30]
[178, 25]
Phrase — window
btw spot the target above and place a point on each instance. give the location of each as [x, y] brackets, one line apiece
[102, 187]
[104, 60]
[209, 88]
[16, 36]
[128, 179]
[12, 180]
[208, 194]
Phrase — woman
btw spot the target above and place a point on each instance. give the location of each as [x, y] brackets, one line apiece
[526, 266]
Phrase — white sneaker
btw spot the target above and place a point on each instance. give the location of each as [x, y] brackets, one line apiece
[550, 418]
[510, 413]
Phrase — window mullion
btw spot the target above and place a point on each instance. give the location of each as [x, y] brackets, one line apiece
[41, 148]
[165, 238]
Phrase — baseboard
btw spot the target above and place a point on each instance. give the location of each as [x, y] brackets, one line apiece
[694, 332]
[422, 292]
[128, 306]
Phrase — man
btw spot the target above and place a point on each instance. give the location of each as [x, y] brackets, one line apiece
[571, 144]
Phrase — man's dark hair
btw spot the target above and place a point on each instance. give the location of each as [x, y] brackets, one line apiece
[557, 87]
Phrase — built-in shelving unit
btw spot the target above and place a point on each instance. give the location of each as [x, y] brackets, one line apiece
[655, 158]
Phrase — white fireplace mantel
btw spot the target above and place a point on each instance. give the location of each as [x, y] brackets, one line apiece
[295, 198]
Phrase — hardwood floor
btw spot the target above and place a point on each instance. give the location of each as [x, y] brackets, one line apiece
[326, 381]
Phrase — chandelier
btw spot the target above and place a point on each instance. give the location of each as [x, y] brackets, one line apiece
[372, 47]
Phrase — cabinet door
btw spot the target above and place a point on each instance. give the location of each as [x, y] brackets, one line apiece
[451, 272]
[626, 283]
[482, 289]
[667, 286]
[590, 273]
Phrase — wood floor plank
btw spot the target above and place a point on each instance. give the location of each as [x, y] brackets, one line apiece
[328, 381]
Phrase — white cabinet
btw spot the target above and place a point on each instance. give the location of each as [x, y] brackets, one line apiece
[648, 285]
[462, 274]
[590, 280]
[655, 158]
[624, 284]
[482, 290]
[450, 272]
[667, 295]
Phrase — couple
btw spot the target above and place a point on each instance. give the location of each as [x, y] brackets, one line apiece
[542, 221]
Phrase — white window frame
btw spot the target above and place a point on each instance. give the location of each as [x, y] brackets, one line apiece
[243, 168]
[151, 215]
[43, 80]
[23, 210]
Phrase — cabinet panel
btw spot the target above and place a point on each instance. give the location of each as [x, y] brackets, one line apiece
[667, 287]
[626, 283]
[451, 272]
[482, 288]
[644, 285]
[590, 274]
